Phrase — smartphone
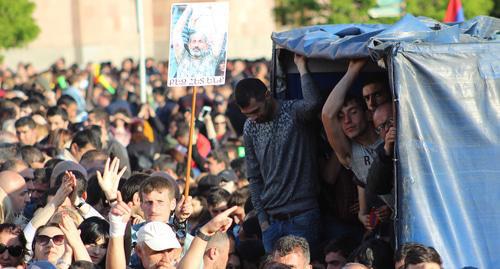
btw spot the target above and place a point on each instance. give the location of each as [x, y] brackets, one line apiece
[374, 220]
[204, 112]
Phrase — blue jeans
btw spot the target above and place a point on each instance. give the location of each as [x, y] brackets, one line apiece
[306, 225]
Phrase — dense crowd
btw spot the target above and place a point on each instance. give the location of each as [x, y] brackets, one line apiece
[91, 177]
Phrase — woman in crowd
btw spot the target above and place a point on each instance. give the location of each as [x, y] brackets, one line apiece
[94, 233]
[12, 242]
[59, 244]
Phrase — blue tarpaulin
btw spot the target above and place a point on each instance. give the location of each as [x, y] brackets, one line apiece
[446, 86]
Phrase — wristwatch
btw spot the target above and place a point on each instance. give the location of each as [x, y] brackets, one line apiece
[203, 236]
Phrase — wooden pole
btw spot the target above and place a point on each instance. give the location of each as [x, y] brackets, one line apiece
[190, 144]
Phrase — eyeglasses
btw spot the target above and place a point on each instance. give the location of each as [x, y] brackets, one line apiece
[44, 239]
[219, 123]
[385, 125]
[14, 251]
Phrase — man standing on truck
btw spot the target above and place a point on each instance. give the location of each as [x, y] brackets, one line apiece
[281, 158]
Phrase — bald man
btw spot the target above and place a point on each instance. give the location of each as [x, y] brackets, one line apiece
[15, 186]
[216, 252]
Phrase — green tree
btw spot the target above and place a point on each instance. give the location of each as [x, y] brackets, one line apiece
[437, 8]
[16, 23]
[288, 12]
[296, 12]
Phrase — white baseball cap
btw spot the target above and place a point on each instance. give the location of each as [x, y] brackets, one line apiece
[158, 236]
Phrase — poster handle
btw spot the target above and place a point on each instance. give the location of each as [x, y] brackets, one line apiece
[190, 143]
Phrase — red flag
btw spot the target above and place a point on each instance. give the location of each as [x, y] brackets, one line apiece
[455, 12]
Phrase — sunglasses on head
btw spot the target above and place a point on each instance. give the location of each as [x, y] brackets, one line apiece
[14, 251]
[44, 239]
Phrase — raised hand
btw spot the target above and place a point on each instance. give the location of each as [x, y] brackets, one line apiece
[365, 220]
[301, 63]
[219, 223]
[73, 196]
[120, 209]
[110, 178]
[72, 235]
[69, 229]
[390, 139]
[64, 190]
[357, 64]
[184, 208]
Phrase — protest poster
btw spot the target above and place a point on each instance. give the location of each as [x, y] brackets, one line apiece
[198, 44]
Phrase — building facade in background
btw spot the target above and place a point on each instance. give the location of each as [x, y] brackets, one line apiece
[85, 31]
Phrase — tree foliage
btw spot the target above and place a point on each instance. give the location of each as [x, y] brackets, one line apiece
[16, 23]
[298, 13]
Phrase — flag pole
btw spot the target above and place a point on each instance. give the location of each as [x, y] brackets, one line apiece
[190, 143]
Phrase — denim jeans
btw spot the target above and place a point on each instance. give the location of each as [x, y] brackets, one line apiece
[306, 225]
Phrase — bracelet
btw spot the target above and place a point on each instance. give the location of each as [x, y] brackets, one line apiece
[112, 201]
[63, 262]
[80, 204]
[203, 236]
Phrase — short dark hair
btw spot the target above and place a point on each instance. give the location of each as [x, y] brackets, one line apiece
[41, 176]
[100, 114]
[220, 156]
[350, 97]
[66, 100]
[182, 130]
[132, 185]
[374, 253]
[160, 90]
[11, 164]
[90, 157]
[377, 78]
[418, 254]
[249, 88]
[165, 161]
[25, 121]
[31, 154]
[218, 196]
[86, 136]
[15, 230]
[158, 183]
[239, 197]
[81, 182]
[287, 244]
[343, 245]
[57, 111]
[34, 104]
[239, 167]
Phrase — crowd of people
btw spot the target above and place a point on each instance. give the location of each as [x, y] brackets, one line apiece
[91, 177]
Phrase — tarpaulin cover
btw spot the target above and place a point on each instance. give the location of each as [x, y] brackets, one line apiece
[449, 150]
[345, 41]
[446, 81]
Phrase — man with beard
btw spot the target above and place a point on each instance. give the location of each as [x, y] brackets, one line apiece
[281, 158]
[194, 54]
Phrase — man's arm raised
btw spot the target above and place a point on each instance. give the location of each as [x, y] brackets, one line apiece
[310, 105]
[331, 122]
[180, 36]
[194, 255]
